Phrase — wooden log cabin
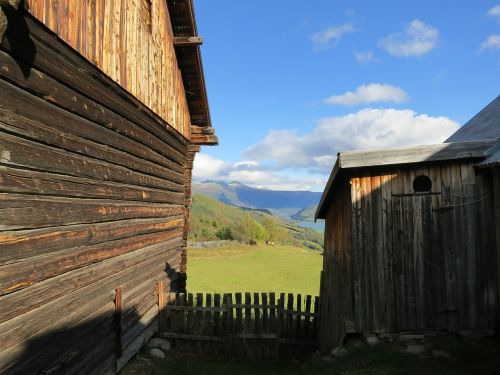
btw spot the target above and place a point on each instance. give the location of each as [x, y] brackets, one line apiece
[102, 108]
[412, 238]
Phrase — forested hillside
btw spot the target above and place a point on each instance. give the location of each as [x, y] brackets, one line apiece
[213, 220]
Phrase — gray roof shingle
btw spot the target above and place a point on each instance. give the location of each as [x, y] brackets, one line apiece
[484, 125]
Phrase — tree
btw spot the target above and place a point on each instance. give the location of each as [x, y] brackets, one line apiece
[225, 234]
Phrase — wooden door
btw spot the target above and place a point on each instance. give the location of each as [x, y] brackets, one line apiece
[418, 264]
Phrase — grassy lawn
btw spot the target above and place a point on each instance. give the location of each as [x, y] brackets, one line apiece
[254, 269]
[443, 356]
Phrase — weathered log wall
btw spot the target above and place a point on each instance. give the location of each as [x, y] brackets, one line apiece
[92, 199]
[129, 40]
[419, 262]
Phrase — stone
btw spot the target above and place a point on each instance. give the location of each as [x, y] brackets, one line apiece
[157, 353]
[411, 337]
[160, 344]
[339, 351]
[441, 354]
[415, 349]
[372, 340]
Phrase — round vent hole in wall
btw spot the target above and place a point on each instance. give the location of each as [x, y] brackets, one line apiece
[422, 184]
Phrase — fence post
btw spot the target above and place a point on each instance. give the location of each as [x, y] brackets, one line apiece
[279, 322]
[161, 306]
[228, 323]
[118, 322]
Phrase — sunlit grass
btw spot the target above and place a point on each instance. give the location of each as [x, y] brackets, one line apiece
[262, 268]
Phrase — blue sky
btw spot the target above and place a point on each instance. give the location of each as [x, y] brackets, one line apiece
[291, 83]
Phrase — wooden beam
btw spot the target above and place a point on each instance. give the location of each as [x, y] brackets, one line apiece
[207, 130]
[204, 139]
[183, 41]
[203, 135]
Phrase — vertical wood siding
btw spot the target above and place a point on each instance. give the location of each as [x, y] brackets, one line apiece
[129, 40]
[336, 310]
[419, 261]
[92, 198]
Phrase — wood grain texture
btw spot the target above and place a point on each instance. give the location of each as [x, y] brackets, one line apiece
[94, 194]
[420, 261]
[128, 42]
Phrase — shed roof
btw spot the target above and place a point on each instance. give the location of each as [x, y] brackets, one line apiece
[484, 125]
[402, 156]
[493, 160]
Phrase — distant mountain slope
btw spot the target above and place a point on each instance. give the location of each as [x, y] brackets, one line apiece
[306, 214]
[281, 203]
[212, 220]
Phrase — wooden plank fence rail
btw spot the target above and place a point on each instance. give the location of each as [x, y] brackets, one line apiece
[242, 324]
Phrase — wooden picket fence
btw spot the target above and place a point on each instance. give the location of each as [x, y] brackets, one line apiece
[263, 325]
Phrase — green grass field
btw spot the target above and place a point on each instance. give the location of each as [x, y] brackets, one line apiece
[254, 269]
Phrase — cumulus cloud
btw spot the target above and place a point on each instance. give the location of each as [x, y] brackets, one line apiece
[253, 173]
[365, 57]
[495, 12]
[205, 167]
[491, 43]
[418, 39]
[331, 36]
[369, 128]
[371, 93]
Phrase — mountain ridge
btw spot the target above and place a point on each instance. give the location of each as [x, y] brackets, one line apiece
[279, 202]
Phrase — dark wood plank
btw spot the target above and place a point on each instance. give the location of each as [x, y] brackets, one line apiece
[21, 244]
[54, 92]
[26, 300]
[13, 180]
[26, 273]
[23, 153]
[24, 211]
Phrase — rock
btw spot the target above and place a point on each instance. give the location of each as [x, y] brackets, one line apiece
[373, 340]
[316, 356]
[476, 334]
[411, 337]
[441, 354]
[415, 349]
[339, 351]
[157, 353]
[160, 344]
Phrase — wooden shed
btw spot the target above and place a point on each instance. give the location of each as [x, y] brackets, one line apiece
[411, 240]
[102, 109]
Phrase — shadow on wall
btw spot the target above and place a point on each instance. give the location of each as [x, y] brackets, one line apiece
[89, 347]
[96, 336]
[18, 38]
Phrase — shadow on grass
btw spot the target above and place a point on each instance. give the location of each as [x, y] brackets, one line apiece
[442, 355]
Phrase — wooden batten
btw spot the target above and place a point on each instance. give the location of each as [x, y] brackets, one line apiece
[188, 41]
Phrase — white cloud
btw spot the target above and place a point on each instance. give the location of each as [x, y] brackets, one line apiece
[331, 36]
[418, 39]
[495, 12]
[205, 167]
[491, 43]
[253, 173]
[316, 150]
[371, 93]
[365, 57]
